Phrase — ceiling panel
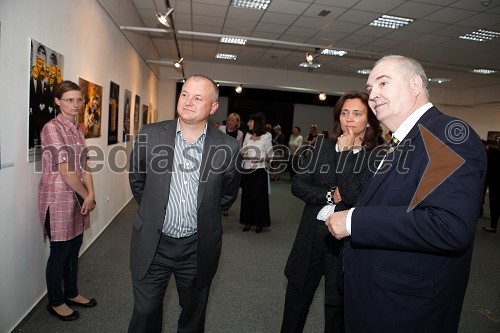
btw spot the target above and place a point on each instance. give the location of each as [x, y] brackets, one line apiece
[431, 38]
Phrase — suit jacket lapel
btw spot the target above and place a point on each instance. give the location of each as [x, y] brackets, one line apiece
[168, 138]
[211, 140]
[387, 166]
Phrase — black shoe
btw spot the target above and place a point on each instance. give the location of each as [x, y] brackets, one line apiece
[247, 227]
[90, 304]
[258, 230]
[224, 213]
[488, 229]
[73, 316]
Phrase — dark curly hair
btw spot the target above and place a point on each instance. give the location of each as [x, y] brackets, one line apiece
[370, 140]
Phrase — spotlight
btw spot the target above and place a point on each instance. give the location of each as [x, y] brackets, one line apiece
[163, 18]
[310, 56]
[178, 64]
[322, 96]
[238, 89]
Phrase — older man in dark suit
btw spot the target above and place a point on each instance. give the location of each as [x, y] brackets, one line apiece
[407, 260]
[183, 174]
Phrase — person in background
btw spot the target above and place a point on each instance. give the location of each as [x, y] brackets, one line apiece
[232, 127]
[177, 229]
[410, 237]
[278, 152]
[294, 143]
[257, 151]
[332, 183]
[313, 134]
[65, 175]
[493, 183]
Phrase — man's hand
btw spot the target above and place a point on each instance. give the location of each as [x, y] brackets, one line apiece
[336, 224]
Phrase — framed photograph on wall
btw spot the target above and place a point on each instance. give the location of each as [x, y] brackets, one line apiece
[46, 71]
[126, 115]
[114, 97]
[137, 104]
[90, 118]
[145, 115]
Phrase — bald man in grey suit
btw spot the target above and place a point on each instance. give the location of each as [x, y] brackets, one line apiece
[183, 174]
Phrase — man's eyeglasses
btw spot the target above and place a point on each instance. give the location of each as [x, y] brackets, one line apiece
[72, 100]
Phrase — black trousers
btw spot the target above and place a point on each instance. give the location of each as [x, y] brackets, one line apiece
[297, 303]
[174, 256]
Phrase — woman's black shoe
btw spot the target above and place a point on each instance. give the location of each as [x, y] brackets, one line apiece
[91, 303]
[258, 230]
[247, 227]
[73, 316]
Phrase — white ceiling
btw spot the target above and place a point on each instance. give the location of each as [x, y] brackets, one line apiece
[432, 38]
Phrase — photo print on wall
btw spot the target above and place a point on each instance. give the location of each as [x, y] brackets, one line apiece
[90, 118]
[126, 116]
[136, 114]
[46, 71]
[114, 97]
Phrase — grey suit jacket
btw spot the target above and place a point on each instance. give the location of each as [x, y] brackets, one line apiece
[150, 174]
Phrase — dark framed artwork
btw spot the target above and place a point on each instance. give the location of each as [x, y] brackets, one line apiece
[145, 116]
[90, 118]
[114, 97]
[46, 71]
[126, 115]
[137, 103]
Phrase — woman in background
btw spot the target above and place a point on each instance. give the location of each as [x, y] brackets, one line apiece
[65, 175]
[326, 188]
[232, 127]
[257, 151]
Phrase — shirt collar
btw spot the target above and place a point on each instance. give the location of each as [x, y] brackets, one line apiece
[409, 122]
[201, 138]
[68, 124]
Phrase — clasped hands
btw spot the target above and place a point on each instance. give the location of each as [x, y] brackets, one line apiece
[336, 224]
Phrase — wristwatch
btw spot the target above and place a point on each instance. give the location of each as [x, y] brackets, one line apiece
[329, 196]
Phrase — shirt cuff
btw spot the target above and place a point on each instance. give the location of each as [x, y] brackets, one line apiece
[348, 221]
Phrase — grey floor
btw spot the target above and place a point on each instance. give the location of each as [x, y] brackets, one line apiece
[248, 291]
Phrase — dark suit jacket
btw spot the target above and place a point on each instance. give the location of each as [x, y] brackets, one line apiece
[407, 271]
[151, 165]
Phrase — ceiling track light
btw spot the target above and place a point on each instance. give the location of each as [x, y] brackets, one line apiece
[239, 88]
[178, 64]
[322, 96]
[310, 56]
[163, 18]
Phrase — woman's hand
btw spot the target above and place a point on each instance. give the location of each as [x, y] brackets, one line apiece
[346, 140]
[88, 204]
[336, 196]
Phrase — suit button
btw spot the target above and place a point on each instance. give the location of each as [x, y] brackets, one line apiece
[158, 230]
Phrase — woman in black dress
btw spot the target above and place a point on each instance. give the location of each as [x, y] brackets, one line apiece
[333, 180]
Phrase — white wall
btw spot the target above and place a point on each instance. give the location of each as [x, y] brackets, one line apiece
[94, 49]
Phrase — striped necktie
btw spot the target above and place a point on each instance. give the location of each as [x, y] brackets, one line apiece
[392, 145]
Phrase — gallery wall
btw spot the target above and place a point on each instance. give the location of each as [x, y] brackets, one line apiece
[93, 49]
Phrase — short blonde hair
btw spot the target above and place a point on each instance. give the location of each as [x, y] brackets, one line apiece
[237, 117]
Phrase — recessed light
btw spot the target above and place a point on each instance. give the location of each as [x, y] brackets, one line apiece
[308, 65]
[226, 56]
[232, 40]
[338, 53]
[251, 4]
[481, 35]
[391, 22]
[364, 71]
[483, 71]
[438, 80]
